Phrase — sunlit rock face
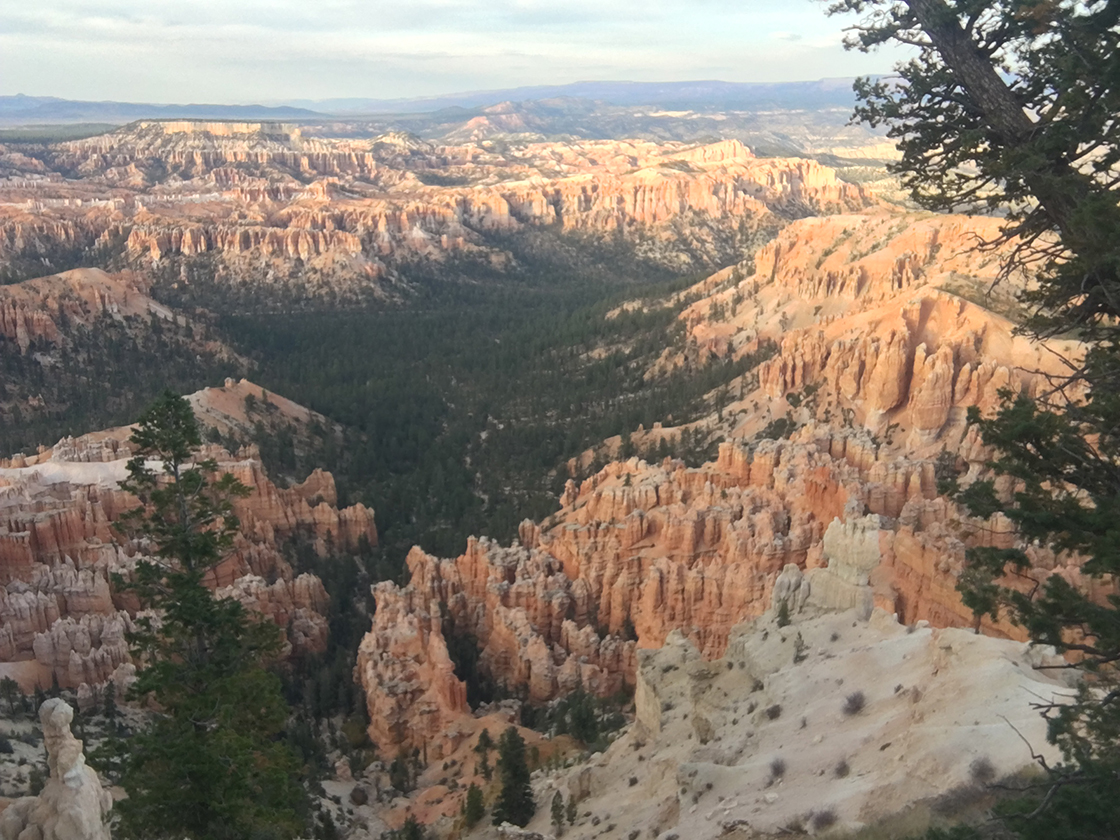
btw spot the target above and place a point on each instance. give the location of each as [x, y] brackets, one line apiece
[881, 347]
[266, 204]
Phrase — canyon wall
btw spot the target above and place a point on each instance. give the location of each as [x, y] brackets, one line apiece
[880, 351]
[263, 198]
[46, 308]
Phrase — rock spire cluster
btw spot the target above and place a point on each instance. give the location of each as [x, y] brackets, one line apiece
[881, 350]
[60, 617]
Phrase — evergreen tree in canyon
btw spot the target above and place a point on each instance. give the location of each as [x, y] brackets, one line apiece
[515, 802]
[474, 807]
[211, 763]
[1012, 106]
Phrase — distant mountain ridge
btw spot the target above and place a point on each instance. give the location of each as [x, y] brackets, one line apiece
[710, 94]
[46, 110]
[696, 95]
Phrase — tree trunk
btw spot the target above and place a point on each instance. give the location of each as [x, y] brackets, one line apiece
[1059, 188]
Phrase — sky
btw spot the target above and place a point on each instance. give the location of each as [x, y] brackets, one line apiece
[267, 51]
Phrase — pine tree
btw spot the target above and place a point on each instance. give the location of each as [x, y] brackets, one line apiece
[515, 802]
[558, 813]
[211, 764]
[475, 806]
[1011, 105]
[483, 747]
[109, 706]
[9, 690]
[485, 742]
[571, 810]
[411, 830]
[783, 613]
[582, 716]
[485, 768]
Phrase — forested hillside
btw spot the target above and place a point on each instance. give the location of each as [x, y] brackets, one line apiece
[462, 408]
[460, 404]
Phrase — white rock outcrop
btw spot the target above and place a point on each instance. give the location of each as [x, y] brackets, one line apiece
[699, 762]
[852, 551]
[72, 805]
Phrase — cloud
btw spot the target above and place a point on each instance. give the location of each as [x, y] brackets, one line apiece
[223, 51]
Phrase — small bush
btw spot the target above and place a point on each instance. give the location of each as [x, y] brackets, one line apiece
[777, 768]
[854, 703]
[774, 712]
[800, 650]
[823, 819]
[842, 769]
[6, 745]
[982, 770]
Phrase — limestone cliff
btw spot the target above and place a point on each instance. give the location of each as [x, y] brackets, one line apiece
[266, 201]
[764, 742]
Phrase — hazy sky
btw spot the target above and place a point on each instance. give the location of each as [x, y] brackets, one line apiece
[228, 51]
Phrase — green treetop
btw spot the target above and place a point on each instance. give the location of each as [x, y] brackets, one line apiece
[210, 765]
[515, 802]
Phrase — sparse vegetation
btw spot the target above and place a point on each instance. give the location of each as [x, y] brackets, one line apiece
[981, 770]
[823, 820]
[854, 703]
[777, 768]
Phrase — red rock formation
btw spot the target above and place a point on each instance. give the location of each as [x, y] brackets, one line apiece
[33, 309]
[534, 629]
[359, 205]
[58, 549]
[884, 354]
[419, 699]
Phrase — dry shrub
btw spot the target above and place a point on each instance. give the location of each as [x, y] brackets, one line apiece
[854, 703]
